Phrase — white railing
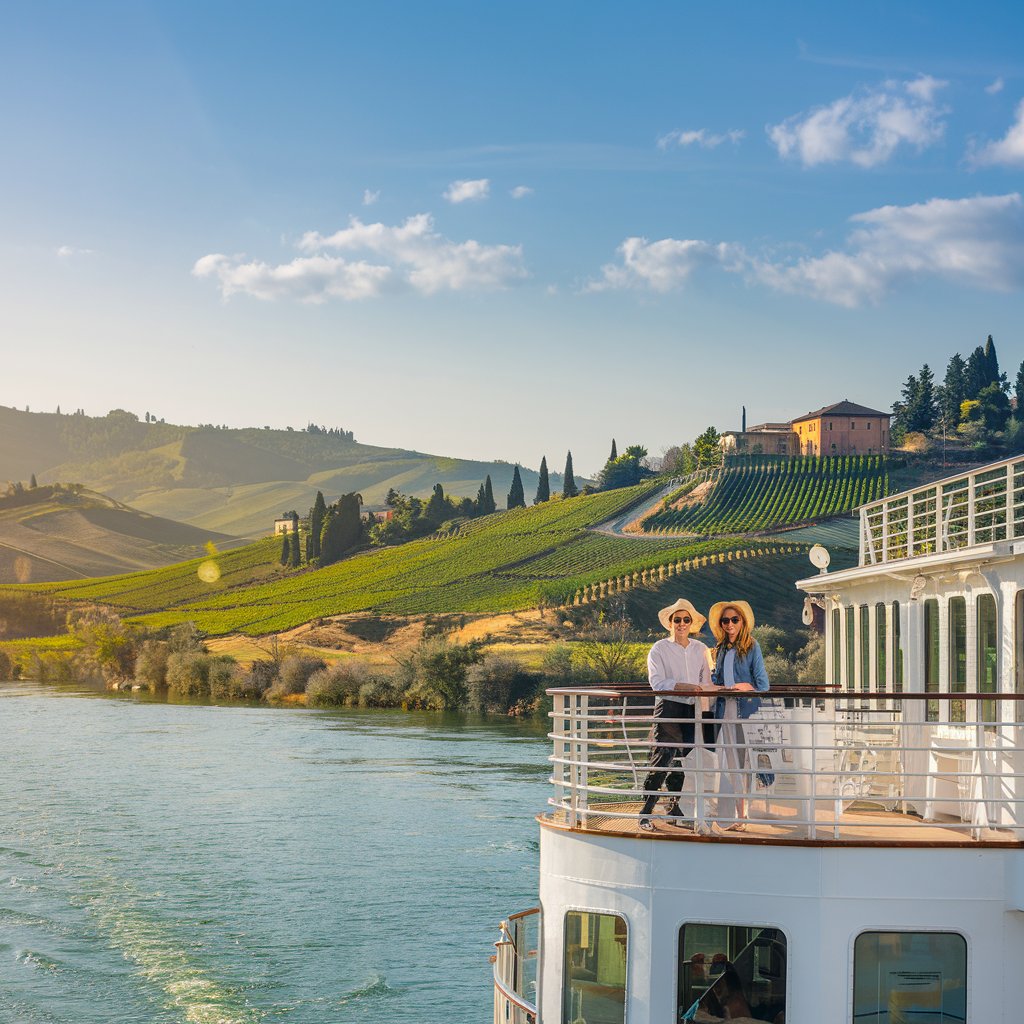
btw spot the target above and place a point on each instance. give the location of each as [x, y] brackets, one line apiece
[515, 969]
[819, 765]
[973, 509]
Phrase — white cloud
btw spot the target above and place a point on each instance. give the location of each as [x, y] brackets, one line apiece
[865, 128]
[664, 265]
[976, 242]
[408, 256]
[700, 137]
[995, 87]
[468, 191]
[521, 192]
[370, 196]
[1008, 151]
[65, 252]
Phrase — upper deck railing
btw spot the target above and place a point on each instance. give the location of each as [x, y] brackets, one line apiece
[959, 512]
[820, 766]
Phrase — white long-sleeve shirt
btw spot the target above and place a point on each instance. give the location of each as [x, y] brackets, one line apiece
[669, 663]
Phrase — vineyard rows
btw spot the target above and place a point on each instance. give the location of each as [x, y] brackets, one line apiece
[765, 492]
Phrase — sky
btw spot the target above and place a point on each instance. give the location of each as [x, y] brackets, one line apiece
[502, 231]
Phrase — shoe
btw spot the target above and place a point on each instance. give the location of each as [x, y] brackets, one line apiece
[646, 825]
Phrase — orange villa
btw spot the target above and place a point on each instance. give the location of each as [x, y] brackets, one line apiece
[844, 428]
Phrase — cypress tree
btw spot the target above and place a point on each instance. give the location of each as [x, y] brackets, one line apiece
[32, 482]
[437, 506]
[543, 486]
[316, 524]
[516, 498]
[286, 547]
[489, 502]
[343, 528]
[569, 488]
[991, 362]
[480, 505]
[615, 452]
[952, 392]
[296, 551]
[1018, 393]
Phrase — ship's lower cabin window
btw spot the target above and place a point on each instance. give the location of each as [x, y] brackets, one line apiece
[729, 972]
[910, 976]
[594, 985]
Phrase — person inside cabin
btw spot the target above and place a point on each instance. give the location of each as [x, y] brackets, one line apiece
[678, 668]
[739, 665]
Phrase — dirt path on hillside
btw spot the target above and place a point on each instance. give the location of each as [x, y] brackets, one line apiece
[628, 524]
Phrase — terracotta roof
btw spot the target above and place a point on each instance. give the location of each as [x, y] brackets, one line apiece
[843, 408]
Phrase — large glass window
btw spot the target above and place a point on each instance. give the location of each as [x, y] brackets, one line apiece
[988, 654]
[594, 985]
[957, 656]
[865, 650]
[910, 976]
[880, 654]
[931, 656]
[897, 650]
[850, 678]
[732, 971]
[837, 646]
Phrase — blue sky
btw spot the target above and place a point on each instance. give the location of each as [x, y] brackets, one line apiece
[502, 231]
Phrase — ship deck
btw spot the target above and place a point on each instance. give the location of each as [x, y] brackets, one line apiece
[857, 826]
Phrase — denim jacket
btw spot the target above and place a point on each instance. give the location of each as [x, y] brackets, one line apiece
[747, 668]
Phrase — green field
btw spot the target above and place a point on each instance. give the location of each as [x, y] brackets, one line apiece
[760, 493]
[505, 562]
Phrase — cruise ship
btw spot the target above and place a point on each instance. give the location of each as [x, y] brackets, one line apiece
[879, 878]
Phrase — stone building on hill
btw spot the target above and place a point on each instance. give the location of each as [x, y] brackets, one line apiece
[844, 428]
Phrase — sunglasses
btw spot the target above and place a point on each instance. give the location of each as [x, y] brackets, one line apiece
[726, 619]
[685, 621]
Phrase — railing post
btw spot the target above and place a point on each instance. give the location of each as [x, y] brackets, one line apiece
[583, 757]
[910, 525]
[885, 531]
[1009, 502]
[698, 742]
[812, 809]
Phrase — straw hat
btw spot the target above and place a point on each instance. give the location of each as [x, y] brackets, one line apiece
[715, 616]
[682, 605]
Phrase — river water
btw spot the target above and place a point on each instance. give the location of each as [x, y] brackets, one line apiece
[168, 863]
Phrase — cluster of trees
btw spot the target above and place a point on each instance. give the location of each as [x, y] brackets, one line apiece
[705, 452]
[338, 432]
[973, 401]
[624, 470]
[333, 531]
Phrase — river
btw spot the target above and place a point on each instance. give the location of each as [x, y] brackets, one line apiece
[167, 863]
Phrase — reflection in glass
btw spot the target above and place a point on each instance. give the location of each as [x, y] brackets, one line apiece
[910, 976]
[850, 678]
[897, 648]
[880, 639]
[837, 648]
[988, 654]
[865, 650]
[931, 656]
[594, 986]
[957, 656]
[729, 972]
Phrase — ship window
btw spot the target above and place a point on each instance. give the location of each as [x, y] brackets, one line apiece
[594, 986]
[897, 652]
[988, 654]
[912, 976]
[732, 971]
[837, 646]
[849, 679]
[957, 656]
[931, 656]
[881, 683]
[865, 650]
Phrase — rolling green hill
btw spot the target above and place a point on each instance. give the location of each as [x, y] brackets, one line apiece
[63, 533]
[505, 562]
[231, 481]
[760, 493]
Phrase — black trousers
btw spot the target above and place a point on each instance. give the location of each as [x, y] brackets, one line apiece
[679, 739]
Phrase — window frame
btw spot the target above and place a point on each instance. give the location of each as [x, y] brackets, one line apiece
[576, 909]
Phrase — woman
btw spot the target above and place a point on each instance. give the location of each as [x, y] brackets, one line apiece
[739, 665]
[677, 667]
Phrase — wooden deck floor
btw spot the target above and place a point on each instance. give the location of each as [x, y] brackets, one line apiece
[860, 825]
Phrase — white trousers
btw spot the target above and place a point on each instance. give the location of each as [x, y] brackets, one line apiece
[733, 784]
